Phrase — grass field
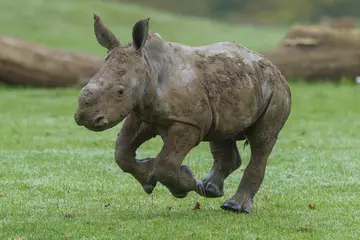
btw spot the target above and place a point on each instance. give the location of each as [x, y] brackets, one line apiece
[60, 181]
[68, 24]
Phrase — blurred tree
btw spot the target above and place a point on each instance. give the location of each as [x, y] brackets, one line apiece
[270, 11]
[221, 8]
[336, 8]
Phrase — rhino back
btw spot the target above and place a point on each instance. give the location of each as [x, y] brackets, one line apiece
[239, 84]
[222, 88]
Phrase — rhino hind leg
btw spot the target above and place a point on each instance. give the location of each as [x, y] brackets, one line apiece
[242, 200]
[226, 160]
[262, 137]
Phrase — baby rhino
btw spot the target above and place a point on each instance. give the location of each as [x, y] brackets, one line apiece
[219, 93]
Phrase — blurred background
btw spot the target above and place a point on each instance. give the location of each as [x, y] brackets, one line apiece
[258, 11]
[50, 43]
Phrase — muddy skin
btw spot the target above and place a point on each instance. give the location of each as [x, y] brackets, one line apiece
[220, 93]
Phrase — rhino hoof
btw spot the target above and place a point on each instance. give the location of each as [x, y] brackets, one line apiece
[233, 206]
[185, 169]
[212, 191]
[149, 187]
[208, 190]
[179, 195]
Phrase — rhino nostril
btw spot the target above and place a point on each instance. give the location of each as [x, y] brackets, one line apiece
[100, 121]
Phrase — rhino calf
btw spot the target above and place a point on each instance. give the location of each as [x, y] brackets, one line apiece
[219, 93]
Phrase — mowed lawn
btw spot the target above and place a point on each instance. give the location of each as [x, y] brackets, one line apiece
[60, 181]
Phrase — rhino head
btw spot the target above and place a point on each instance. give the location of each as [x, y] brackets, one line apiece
[119, 85]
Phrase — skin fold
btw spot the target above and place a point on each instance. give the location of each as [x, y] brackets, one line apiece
[220, 93]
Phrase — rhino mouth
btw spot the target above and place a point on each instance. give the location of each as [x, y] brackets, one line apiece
[101, 123]
[98, 123]
[96, 129]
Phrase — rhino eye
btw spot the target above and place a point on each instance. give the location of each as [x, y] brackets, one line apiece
[120, 90]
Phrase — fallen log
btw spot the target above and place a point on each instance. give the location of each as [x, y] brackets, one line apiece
[308, 52]
[36, 65]
[318, 52]
[341, 22]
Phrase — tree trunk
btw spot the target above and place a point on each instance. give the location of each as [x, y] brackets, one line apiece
[30, 64]
[318, 52]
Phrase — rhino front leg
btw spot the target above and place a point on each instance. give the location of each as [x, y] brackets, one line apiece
[178, 142]
[134, 133]
[226, 160]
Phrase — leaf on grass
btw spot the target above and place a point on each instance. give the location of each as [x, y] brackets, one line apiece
[197, 206]
[68, 215]
[312, 206]
[67, 236]
[3, 194]
[19, 238]
[304, 229]
[25, 186]
[190, 235]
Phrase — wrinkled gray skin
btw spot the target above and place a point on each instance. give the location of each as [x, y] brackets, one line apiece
[220, 93]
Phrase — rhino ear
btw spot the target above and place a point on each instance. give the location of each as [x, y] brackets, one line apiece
[103, 35]
[140, 33]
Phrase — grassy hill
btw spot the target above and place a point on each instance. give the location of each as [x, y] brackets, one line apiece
[68, 24]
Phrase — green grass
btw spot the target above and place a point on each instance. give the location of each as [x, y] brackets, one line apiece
[57, 179]
[68, 24]
[60, 181]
